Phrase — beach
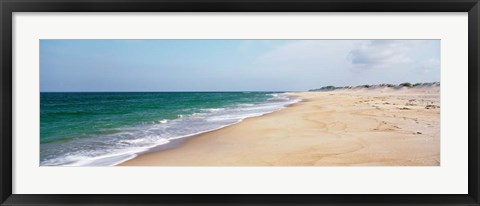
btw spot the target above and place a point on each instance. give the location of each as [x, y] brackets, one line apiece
[350, 127]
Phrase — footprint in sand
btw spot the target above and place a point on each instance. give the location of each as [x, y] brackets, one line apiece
[384, 126]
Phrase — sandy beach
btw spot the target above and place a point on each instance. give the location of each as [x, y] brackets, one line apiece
[375, 127]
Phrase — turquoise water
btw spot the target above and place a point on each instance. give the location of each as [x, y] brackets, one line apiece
[108, 128]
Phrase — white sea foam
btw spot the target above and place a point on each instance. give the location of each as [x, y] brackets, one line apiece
[163, 121]
[213, 109]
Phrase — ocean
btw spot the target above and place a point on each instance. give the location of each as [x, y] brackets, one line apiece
[107, 128]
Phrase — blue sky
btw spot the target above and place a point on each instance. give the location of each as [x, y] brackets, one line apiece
[233, 65]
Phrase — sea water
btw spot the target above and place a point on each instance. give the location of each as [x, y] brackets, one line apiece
[107, 128]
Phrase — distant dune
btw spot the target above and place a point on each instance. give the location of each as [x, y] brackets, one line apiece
[380, 86]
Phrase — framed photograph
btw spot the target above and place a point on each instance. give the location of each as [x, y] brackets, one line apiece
[352, 102]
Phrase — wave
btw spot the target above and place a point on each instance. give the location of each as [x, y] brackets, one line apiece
[112, 149]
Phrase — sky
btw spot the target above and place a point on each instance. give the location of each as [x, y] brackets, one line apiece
[232, 65]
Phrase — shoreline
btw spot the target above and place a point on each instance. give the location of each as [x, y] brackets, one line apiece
[340, 127]
[174, 143]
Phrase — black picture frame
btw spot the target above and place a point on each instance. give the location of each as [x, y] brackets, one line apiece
[7, 7]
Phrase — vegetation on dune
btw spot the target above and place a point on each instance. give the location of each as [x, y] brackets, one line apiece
[367, 86]
[328, 87]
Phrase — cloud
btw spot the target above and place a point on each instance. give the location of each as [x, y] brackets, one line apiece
[381, 54]
[350, 62]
